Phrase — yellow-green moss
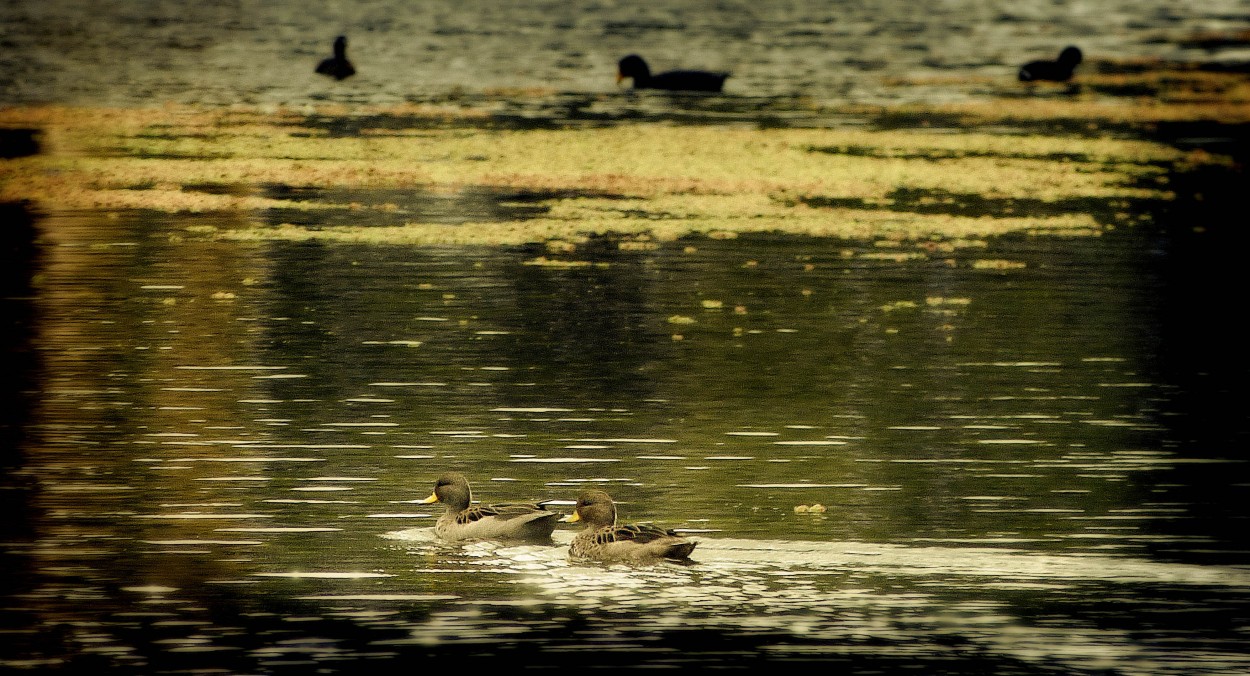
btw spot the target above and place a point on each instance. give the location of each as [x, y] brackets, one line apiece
[650, 182]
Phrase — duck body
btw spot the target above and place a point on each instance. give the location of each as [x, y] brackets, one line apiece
[1059, 70]
[634, 68]
[605, 540]
[519, 521]
[337, 66]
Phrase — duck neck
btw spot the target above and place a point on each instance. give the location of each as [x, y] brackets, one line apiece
[457, 500]
[606, 518]
[639, 71]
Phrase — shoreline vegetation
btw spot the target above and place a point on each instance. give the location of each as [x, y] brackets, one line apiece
[509, 168]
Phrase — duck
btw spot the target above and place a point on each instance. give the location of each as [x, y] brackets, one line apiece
[605, 540]
[337, 66]
[1059, 70]
[520, 521]
[634, 68]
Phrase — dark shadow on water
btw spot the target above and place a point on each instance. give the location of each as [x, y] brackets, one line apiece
[21, 254]
[288, 638]
[928, 120]
[588, 325]
[396, 206]
[1200, 250]
[933, 201]
[21, 257]
[940, 154]
[1231, 139]
[561, 110]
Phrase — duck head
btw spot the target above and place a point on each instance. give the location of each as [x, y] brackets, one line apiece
[595, 509]
[451, 489]
[632, 67]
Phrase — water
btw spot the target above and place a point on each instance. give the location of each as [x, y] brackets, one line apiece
[228, 442]
[121, 53]
[1031, 453]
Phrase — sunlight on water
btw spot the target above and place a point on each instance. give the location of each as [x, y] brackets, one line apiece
[728, 556]
[902, 453]
[378, 597]
[735, 580]
[325, 575]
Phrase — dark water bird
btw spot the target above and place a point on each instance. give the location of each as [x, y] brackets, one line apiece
[504, 521]
[605, 540]
[1059, 70]
[19, 142]
[337, 66]
[634, 68]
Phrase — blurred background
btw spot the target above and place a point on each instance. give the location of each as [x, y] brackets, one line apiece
[124, 53]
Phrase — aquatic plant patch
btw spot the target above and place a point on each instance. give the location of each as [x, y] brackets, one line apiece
[288, 174]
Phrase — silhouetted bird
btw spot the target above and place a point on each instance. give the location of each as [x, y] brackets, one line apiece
[1059, 70]
[337, 66]
[19, 142]
[634, 68]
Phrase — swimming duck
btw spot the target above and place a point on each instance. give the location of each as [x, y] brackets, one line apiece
[504, 521]
[604, 540]
[634, 68]
[1059, 70]
[337, 66]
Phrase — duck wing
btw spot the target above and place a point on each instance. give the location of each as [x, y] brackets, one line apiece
[506, 511]
[524, 522]
[515, 510]
[642, 542]
[640, 533]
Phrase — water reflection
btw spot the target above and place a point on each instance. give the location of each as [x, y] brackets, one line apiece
[1029, 452]
[826, 599]
[230, 440]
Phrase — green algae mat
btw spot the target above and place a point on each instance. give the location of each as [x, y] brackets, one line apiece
[941, 176]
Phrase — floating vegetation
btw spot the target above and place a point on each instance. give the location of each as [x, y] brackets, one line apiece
[933, 301]
[810, 509]
[544, 262]
[899, 305]
[996, 264]
[282, 176]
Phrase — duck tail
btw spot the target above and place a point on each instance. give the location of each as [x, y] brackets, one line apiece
[680, 550]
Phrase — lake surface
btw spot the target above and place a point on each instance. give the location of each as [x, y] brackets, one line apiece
[227, 442]
[1031, 453]
[223, 52]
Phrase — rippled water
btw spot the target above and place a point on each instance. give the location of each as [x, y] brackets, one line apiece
[228, 442]
[1031, 454]
[221, 52]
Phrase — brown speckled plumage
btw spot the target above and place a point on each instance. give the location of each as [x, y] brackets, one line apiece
[505, 521]
[604, 540]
